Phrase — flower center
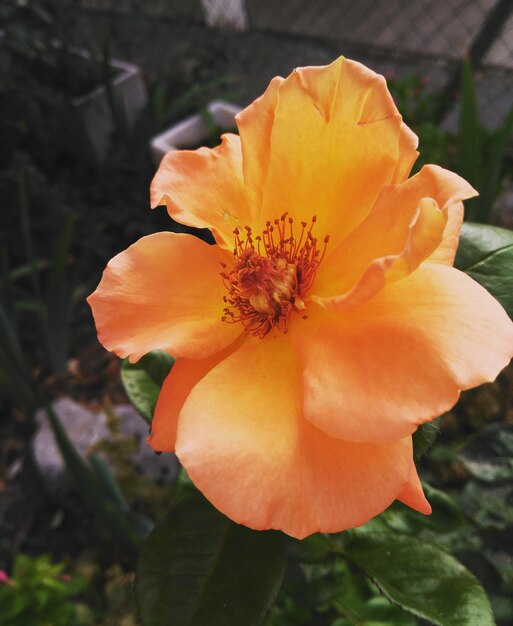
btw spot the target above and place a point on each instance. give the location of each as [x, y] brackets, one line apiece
[271, 275]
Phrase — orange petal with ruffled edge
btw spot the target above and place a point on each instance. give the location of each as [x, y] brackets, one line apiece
[323, 142]
[203, 188]
[403, 229]
[183, 377]
[377, 371]
[244, 442]
[424, 236]
[366, 99]
[163, 293]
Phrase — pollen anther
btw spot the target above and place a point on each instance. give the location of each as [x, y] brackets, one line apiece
[270, 281]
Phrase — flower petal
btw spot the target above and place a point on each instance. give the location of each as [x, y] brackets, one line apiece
[327, 140]
[424, 236]
[348, 89]
[458, 317]
[408, 154]
[413, 494]
[163, 292]
[375, 372]
[203, 188]
[449, 189]
[255, 124]
[401, 231]
[183, 377]
[367, 100]
[245, 444]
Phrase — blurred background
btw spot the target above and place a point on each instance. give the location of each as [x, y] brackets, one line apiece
[262, 39]
[92, 94]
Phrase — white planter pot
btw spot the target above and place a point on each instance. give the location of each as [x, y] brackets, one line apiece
[129, 93]
[193, 131]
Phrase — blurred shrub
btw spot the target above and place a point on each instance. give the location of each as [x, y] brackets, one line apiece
[40, 593]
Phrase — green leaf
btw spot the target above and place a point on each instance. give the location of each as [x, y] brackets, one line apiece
[381, 611]
[502, 608]
[325, 583]
[122, 525]
[502, 561]
[197, 568]
[313, 549]
[106, 478]
[15, 376]
[184, 487]
[421, 578]
[25, 270]
[486, 254]
[58, 304]
[346, 622]
[478, 241]
[489, 506]
[446, 516]
[424, 437]
[112, 492]
[142, 380]
[488, 455]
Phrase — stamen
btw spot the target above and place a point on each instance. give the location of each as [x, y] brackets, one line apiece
[271, 280]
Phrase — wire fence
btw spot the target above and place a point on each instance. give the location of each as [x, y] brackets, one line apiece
[262, 38]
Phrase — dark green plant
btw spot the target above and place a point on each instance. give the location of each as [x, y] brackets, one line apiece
[474, 152]
[419, 105]
[37, 38]
[54, 303]
[40, 593]
[41, 72]
[167, 107]
[482, 153]
[52, 307]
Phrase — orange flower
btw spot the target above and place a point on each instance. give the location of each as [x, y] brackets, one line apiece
[325, 325]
